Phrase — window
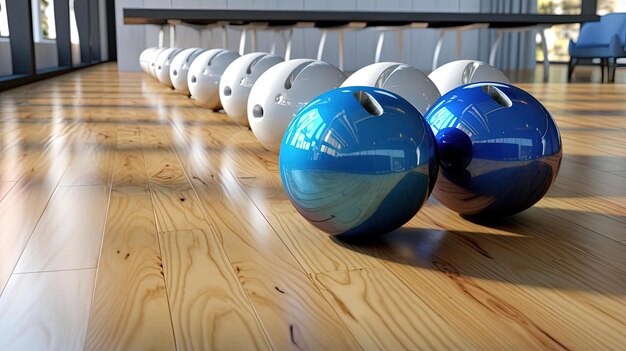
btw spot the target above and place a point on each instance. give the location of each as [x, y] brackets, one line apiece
[558, 37]
[43, 20]
[73, 27]
[4, 22]
[48, 28]
[609, 6]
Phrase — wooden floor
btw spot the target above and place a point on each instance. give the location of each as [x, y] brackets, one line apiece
[131, 219]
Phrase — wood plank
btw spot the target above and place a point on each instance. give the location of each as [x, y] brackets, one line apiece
[520, 335]
[5, 187]
[571, 248]
[255, 169]
[293, 312]
[210, 310]
[473, 268]
[383, 314]
[177, 208]
[46, 311]
[69, 233]
[92, 159]
[22, 207]
[15, 162]
[621, 173]
[551, 277]
[22, 137]
[130, 308]
[606, 218]
[130, 176]
[556, 275]
[162, 164]
[176, 205]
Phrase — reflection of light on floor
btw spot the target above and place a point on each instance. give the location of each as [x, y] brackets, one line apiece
[155, 99]
[436, 216]
[10, 142]
[179, 127]
[606, 205]
[60, 134]
[197, 154]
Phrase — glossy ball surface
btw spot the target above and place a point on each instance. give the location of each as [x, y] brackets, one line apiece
[282, 91]
[500, 149]
[143, 58]
[355, 161]
[151, 58]
[205, 73]
[237, 82]
[461, 72]
[180, 66]
[162, 65]
[400, 78]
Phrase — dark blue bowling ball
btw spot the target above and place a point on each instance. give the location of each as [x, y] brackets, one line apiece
[499, 149]
[356, 161]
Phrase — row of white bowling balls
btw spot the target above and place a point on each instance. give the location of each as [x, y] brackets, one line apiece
[265, 92]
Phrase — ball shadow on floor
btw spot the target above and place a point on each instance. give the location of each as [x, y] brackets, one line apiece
[523, 250]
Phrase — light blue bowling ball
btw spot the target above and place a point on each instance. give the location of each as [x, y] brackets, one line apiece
[499, 148]
[357, 161]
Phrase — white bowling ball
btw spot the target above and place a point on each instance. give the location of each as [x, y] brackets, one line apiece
[143, 58]
[152, 57]
[402, 79]
[162, 65]
[238, 79]
[461, 72]
[180, 66]
[205, 73]
[282, 90]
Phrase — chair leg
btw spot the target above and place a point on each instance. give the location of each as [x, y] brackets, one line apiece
[570, 68]
[602, 64]
[614, 69]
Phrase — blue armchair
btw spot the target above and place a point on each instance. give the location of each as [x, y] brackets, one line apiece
[605, 40]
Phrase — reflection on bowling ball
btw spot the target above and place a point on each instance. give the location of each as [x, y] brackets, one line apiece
[281, 91]
[457, 73]
[237, 82]
[205, 72]
[499, 148]
[355, 161]
[180, 67]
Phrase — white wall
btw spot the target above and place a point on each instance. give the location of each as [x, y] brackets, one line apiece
[360, 46]
[131, 40]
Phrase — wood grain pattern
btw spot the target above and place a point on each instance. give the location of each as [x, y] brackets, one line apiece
[4, 188]
[92, 158]
[162, 165]
[236, 252]
[130, 309]
[210, 310]
[293, 312]
[176, 205]
[177, 208]
[252, 166]
[129, 176]
[22, 207]
[69, 233]
[383, 314]
[46, 311]
[15, 162]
